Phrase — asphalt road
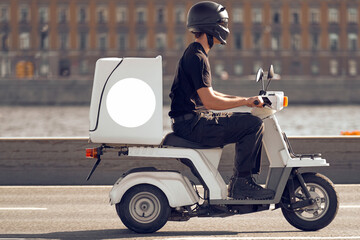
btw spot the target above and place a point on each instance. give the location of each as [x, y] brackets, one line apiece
[83, 212]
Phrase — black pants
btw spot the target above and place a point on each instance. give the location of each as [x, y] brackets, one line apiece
[218, 129]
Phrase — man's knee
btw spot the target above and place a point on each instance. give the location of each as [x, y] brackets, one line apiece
[259, 125]
[262, 127]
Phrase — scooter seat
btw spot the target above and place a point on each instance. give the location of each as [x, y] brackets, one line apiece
[175, 141]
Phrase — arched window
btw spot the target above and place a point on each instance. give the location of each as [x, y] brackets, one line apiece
[180, 14]
[314, 15]
[333, 15]
[352, 67]
[24, 40]
[352, 41]
[276, 17]
[141, 15]
[161, 15]
[296, 41]
[160, 41]
[238, 15]
[334, 41]
[352, 15]
[334, 67]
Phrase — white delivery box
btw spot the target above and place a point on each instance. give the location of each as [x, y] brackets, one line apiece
[126, 101]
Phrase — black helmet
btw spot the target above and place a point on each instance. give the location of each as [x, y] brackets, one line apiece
[210, 18]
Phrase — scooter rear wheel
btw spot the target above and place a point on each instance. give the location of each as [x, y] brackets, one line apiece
[144, 209]
[322, 212]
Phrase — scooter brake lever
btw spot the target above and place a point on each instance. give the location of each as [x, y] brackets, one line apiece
[267, 102]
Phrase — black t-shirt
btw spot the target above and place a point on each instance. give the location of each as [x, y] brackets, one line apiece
[193, 72]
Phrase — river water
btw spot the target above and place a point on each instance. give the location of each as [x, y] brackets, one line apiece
[73, 121]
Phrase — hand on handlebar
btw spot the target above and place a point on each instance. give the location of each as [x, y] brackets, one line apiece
[256, 101]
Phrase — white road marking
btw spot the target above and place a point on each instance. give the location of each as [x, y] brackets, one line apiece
[44, 209]
[69, 186]
[349, 206]
[110, 186]
[347, 185]
[263, 238]
[22, 208]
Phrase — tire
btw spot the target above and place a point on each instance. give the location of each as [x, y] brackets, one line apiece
[322, 212]
[144, 209]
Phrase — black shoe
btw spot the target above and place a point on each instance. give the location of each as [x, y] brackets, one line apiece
[246, 188]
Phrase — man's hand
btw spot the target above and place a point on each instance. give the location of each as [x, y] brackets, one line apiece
[256, 101]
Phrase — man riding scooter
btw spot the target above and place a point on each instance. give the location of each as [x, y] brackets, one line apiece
[145, 197]
[192, 98]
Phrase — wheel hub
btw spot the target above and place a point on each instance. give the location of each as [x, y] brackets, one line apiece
[312, 209]
[320, 203]
[144, 207]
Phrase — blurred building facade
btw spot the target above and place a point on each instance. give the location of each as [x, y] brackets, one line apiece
[62, 39]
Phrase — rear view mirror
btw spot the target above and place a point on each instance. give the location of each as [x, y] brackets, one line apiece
[259, 75]
[270, 72]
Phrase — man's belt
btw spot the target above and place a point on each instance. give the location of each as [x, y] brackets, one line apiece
[184, 117]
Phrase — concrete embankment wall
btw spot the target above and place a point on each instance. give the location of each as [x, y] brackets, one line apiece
[61, 161]
[70, 92]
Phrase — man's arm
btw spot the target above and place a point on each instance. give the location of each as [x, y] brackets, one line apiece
[219, 94]
[217, 101]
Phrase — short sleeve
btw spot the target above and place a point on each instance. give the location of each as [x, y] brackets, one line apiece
[199, 71]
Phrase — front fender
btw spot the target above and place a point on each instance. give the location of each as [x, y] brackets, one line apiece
[175, 186]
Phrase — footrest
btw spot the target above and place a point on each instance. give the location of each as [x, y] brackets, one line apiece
[312, 156]
[231, 201]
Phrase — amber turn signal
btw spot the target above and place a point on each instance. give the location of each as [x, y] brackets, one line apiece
[286, 101]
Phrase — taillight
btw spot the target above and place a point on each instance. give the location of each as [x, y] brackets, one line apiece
[91, 153]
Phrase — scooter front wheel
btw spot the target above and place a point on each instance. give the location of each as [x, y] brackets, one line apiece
[322, 212]
[144, 209]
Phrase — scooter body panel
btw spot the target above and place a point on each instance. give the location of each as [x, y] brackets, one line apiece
[273, 143]
[204, 160]
[277, 149]
[175, 186]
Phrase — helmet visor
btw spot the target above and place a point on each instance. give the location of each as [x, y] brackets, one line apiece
[224, 22]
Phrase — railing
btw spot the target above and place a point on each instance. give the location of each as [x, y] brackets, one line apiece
[61, 161]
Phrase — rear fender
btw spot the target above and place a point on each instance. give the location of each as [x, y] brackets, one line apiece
[175, 186]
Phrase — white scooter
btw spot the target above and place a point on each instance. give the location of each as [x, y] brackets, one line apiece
[146, 198]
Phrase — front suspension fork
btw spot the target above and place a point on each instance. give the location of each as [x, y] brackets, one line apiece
[302, 183]
[293, 204]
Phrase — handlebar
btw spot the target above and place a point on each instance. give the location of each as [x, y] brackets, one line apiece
[274, 100]
[266, 100]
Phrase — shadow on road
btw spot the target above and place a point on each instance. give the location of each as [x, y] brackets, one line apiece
[125, 233]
